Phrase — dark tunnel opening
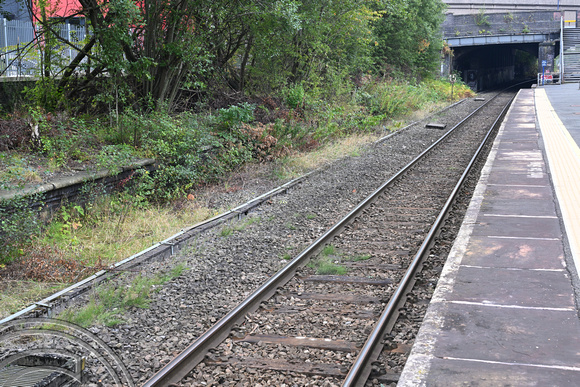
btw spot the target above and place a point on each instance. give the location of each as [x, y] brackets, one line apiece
[491, 66]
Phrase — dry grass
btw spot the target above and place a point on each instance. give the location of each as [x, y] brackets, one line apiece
[116, 232]
[426, 110]
[116, 236]
[112, 238]
[298, 164]
[16, 295]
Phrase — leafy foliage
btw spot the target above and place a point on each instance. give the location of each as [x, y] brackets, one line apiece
[482, 19]
[408, 37]
[236, 115]
[152, 51]
[295, 96]
[19, 222]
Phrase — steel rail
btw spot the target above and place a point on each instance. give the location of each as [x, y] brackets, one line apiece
[46, 304]
[175, 240]
[360, 370]
[181, 365]
[157, 249]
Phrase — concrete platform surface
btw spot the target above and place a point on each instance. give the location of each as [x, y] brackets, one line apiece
[566, 102]
[504, 311]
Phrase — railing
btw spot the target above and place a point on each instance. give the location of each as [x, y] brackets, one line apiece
[548, 79]
[19, 51]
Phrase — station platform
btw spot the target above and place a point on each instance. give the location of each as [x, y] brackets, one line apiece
[505, 310]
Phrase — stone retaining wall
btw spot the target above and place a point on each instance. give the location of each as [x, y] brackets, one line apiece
[516, 23]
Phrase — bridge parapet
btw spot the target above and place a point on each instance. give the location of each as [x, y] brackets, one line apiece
[484, 24]
[461, 7]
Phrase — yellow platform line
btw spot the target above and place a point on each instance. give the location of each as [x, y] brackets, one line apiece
[564, 162]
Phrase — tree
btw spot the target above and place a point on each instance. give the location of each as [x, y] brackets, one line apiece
[304, 41]
[145, 48]
[408, 36]
[151, 49]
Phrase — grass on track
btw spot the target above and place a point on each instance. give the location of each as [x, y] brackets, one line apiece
[116, 231]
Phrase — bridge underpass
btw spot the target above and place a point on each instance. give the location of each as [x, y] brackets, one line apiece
[488, 66]
[492, 48]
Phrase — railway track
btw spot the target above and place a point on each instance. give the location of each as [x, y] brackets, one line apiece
[322, 319]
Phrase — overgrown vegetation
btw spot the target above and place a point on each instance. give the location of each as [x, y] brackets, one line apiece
[204, 88]
[108, 303]
[482, 19]
[191, 149]
[19, 224]
[158, 54]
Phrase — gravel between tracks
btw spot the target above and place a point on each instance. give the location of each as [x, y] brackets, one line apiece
[222, 269]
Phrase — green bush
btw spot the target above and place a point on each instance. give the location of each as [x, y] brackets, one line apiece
[236, 115]
[189, 152]
[393, 99]
[295, 96]
[18, 224]
[111, 157]
[178, 150]
[45, 93]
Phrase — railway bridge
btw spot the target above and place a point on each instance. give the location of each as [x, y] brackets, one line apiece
[490, 43]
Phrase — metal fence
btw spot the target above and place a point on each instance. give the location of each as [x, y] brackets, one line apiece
[18, 58]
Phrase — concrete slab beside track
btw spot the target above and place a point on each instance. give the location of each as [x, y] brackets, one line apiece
[504, 311]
